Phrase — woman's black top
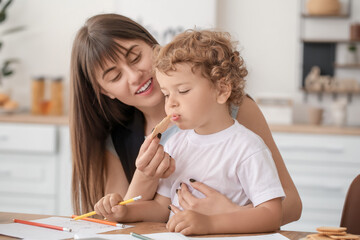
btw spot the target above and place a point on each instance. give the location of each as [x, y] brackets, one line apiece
[127, 142]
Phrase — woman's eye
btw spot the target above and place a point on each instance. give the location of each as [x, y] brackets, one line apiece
[136, 59]
[184, 91]
[117, 77]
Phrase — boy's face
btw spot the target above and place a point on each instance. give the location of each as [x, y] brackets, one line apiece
[190, 99]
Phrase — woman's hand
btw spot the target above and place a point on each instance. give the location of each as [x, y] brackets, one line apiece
[153, 161]
[188, 222]
[108, 207]
[213, 203]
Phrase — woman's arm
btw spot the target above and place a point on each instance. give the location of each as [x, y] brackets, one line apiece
[251, 117]
[149, 211]
[266, 217]
[153, 163]
[116, 181]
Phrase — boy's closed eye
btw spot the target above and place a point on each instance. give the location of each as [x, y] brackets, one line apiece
[184, 91]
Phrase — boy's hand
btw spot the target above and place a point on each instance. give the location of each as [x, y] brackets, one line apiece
[108, 207]
[189, 222]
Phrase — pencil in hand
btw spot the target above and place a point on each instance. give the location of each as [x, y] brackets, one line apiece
[121, 203]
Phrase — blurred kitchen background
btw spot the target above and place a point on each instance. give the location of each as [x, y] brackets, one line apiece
[303, 59]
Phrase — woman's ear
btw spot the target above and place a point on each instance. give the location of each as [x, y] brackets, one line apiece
[223, 91]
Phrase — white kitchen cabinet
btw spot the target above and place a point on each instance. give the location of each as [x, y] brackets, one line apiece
[322, 167]
[35, 168]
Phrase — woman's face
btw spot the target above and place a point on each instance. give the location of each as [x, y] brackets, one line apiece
[131, 79]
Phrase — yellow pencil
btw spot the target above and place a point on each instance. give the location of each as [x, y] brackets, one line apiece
[120, 203]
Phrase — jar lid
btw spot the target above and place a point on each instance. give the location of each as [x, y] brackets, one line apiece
[38, 78]
[57, 79]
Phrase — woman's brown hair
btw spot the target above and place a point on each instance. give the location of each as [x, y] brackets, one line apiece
[92, 114]
[212, 53]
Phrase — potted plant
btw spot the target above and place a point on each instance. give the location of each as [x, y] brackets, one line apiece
[351, 56]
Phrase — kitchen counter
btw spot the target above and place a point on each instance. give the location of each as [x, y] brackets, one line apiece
[37, 119]
[315, 129]
[294, 128]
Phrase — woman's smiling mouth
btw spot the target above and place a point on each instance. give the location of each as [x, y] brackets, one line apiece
[145, 87]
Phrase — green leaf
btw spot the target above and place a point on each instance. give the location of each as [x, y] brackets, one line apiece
[13, 30]
[3, 10]
[5, 70]
[2, 16]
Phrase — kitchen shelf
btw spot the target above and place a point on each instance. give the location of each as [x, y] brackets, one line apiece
[314, 40]
[347, 66]
[306, 15]
[322, 50]
[333, 91]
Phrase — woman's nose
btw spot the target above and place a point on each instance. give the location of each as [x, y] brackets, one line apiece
[134, 76]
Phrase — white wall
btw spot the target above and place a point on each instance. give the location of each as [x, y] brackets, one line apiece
[269, 37]
[44, 46]
[267, 32]
[172, 15]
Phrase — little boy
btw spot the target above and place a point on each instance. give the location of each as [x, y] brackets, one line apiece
[201, 76]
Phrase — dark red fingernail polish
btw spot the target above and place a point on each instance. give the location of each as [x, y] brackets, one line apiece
[192, 180]
[159, 135]
[169, 207]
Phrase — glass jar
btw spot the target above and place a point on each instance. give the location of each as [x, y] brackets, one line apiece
[56, 96]
[37, 95]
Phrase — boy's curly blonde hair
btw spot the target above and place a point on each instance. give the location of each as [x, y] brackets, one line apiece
[210, 52]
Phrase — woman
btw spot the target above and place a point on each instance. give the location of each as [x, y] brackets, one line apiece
[114, 93]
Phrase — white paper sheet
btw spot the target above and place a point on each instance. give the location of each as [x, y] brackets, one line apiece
[156, 236]
[79, 226]
[274, 236]
[32, 232]
[176, 236]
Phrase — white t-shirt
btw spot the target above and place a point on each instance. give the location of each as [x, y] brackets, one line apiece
[235, 162]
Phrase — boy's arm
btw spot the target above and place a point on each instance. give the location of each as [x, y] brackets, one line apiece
[266, 217]
[149, 211]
